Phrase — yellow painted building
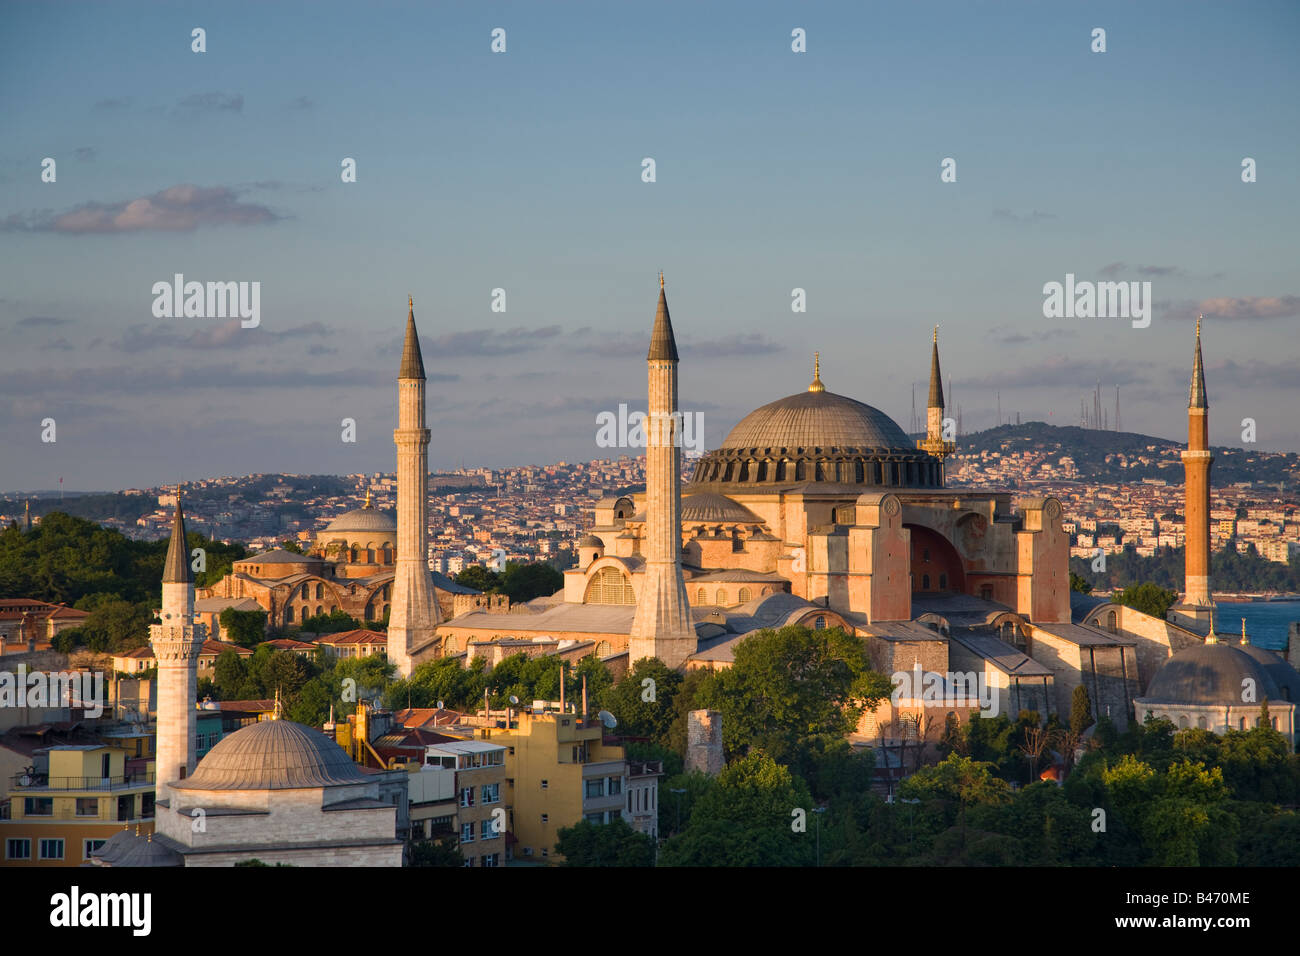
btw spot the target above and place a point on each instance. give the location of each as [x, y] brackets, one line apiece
[75, 798]
[558, 772]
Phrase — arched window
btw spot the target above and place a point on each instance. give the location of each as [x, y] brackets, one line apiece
[370, 612]
[603, 649]
[385, 610]
[819, 623]
[320, 591]
[943, 582]
[451, 646]
[1200, 723]
[319, 610]
[1182, 722]
[288, 614]
[1112, 622]
[722, 596]
[306, 590]
[744, 595]
[610, 586]
[925, 582]
[925, 555]
[333, 608]
[835, 516]
[353, 553]
[701, 597]
[1241, 723]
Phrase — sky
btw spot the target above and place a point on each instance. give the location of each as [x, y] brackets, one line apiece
[522, 171]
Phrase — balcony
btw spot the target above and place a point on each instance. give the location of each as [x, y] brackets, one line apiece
[29, 782]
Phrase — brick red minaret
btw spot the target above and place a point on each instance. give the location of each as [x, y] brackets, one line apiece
[1196, 608]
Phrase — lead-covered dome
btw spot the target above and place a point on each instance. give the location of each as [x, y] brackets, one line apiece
[810, 419]
[362, 521]
[1211, 674]
[273, 755]
[819, 437]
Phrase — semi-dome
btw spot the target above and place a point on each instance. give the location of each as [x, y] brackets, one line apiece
[590, 541]
[1210, 674]
[716, 509]
[816, 436]
[273, 755]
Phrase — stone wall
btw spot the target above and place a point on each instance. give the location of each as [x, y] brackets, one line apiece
[704, 742]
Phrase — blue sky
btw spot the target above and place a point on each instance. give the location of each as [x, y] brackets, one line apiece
[522, 171]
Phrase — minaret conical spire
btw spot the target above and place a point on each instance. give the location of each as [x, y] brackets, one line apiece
[663, 347]
[1198, 398]
[412, 362]
[936, 380]
[176, 568]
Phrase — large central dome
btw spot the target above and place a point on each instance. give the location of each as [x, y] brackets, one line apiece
[817, 419]
[815, 437]
[273, 755]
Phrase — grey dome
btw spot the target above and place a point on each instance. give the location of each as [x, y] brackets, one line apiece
[1210, 674]
[817, 419]
[273, 755]
[363, 520]
[1283, 674]
[590, 541]
[716, 509]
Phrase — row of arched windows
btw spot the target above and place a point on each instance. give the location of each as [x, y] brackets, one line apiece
[924, 472]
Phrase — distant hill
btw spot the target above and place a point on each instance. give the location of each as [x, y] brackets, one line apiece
[1132, 456]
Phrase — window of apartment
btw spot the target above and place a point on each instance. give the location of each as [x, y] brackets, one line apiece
[543, 784]
[51, 849]
[89, 847]
[467, 796]
[491, 792]
[469, 861]
[546, 818]
[615, 786]
[511, 751]
[596, 817]
[629, 801]
[545, 852]
[596, 788]
[467, 833]
[18, 849]
[485, 831]
[87, 806]
[38, 806]
[146, 805]
[492, 859]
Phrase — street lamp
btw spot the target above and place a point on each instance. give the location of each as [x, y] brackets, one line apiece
[817, 818]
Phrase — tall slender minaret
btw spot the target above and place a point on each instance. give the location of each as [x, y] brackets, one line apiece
[176, 643]
[414, 611]
[662, 626]
[1197, 605]
[933, 441]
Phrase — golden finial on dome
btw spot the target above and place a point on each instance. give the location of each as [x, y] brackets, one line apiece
[817, 385]
[661, 278]
[367, 504]
[1244, 638]
[278, 712]
[410, 302]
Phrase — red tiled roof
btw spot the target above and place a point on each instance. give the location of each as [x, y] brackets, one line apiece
[360, 636]
[427, 717]
[217, 647]
[139, 654]
[288, 644]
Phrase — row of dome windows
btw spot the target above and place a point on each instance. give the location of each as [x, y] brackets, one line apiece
[859, 471]
[383, 592]
[304, 611]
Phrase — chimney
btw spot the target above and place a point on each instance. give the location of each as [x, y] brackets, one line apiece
[584, 696]
[561, 686]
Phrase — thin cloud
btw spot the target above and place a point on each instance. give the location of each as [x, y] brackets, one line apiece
[1033, 215]
[302, 103]
[1252, 307]
[483, 342]
[213, 102]
[113, 103]
[753, 343]
[182, 208]
[40, 321]
[228, 335]
[84, 154]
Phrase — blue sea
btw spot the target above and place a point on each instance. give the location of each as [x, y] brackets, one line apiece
[1266, 621]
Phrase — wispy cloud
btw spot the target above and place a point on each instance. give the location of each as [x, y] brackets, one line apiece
[212, 102]
[40, 321]
[84, 154]
[113, 103]
[181, 208]
[302, 103]
[481, 342]
[1011, 215]
[144, 337]
[1252, 307]
[753, 343]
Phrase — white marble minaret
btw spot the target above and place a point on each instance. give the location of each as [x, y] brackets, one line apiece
[176, 643]
[662, 626]
[414, 611]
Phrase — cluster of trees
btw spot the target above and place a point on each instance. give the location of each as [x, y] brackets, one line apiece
[1233, 571]
[519, 582]
[308, 686]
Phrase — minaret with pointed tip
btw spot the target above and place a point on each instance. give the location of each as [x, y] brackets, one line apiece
[176, 643]
[933, 441]
[1198, 598]
[414, 611]
[662, 625]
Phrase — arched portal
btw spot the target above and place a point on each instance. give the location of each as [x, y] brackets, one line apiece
[936, 565]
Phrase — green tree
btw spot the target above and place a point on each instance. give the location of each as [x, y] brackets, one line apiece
[1148, 598]
[334, 622]
[1080, 710]
[643, 700]
[436, 853]
[604, 844]
[479, 578]
[1079, 583]
[229, 674]
[523, 582]
[292, 545]
[245, 628]
[113, 626]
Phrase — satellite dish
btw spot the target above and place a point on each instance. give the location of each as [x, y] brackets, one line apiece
[513, 699]
[608, 719]
[440, 705]
[25, 780]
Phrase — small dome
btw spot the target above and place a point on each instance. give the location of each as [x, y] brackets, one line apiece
[362, 520]
[716, 509]
[1283, 674]
[1210, 674]
[590, 541]
[273, 755]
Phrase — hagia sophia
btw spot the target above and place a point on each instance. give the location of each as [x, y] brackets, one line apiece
[817, 509]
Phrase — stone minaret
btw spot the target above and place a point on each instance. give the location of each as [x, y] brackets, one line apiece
[662, 627]
[1197, 605]
[414, 609]
[933, 442]
[176, 643]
